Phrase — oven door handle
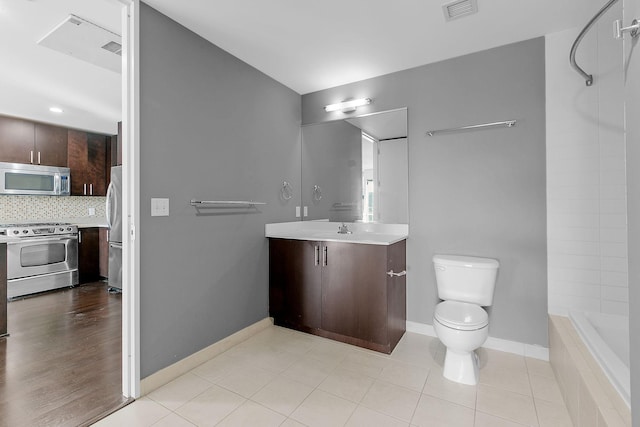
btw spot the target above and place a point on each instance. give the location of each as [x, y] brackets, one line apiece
[23, 241]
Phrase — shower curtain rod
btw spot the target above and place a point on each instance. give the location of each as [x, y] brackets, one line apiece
[572, 56]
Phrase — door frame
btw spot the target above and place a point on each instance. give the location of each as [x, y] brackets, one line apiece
[130, 198]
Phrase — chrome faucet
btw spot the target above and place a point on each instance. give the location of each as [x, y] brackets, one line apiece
[343, 229]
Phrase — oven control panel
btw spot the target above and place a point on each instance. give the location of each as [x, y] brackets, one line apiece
[31, 230]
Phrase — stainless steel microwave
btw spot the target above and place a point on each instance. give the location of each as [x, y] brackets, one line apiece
[18, 178]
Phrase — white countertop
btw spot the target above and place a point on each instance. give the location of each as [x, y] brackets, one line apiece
[87, 221]
[364, 233]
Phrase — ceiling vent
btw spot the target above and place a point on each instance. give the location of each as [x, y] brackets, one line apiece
[459, 8]
[113, 47]
[87, 41]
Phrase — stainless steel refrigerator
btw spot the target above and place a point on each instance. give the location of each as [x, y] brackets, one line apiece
[114, 221]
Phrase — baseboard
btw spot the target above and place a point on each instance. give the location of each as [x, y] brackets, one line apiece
[527, 350]
[171, 372]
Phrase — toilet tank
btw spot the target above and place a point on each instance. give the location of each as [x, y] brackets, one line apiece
[465, 278]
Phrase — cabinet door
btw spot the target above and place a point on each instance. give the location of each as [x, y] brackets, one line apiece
[104, 252]
[97, 174]
[88, 254]
[87, 161]
[78, 158]
[50, 145]
[396, 292]
[16, 140]
[354, 297]
[119, 146]
[294, 282]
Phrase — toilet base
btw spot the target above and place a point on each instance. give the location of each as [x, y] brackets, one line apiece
[461, 367]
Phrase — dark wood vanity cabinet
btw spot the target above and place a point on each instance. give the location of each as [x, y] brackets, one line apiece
[295, 283]
[339, 290]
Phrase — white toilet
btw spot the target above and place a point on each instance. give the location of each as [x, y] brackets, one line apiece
[465, 284]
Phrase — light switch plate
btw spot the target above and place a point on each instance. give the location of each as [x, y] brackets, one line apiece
[159, 207]
[306, 212]
[297, 211]
[92, 211]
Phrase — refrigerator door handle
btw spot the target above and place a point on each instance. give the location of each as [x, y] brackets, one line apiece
[108, 207]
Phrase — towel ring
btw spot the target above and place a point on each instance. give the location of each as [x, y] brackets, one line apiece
[286, 191]
[317, 192]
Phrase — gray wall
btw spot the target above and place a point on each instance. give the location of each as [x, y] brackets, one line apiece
[212, 127]
[477, 193]
[332, 159]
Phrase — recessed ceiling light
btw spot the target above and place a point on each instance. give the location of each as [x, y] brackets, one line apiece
[56, 110]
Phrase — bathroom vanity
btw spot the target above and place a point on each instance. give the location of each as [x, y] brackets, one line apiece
[346, 287]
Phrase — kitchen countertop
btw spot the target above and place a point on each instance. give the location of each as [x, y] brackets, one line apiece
[87, 222]
[363, 233]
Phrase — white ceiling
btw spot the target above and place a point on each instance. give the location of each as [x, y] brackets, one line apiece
[34, 78]
[306, 45]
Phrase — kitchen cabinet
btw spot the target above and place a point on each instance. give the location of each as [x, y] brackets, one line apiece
[88, 254]
[339, 290]
[104, 251]
[23, 141]
[50, 145]
[87, 160]
[118, 150]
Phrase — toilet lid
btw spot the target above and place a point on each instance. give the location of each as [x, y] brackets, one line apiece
[461, 315]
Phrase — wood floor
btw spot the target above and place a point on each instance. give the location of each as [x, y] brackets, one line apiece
[61, 364]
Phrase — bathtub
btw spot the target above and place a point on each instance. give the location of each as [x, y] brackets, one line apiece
[607, 337]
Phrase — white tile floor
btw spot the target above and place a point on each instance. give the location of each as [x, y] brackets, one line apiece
[281, 377]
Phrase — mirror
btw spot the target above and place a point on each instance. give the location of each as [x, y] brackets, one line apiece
[356, 169]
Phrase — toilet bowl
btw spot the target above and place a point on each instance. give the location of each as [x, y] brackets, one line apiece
[462, 328]
[466, 284]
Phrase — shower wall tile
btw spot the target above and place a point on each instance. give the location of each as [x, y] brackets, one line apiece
[613, 249]
[613, 234]
[617, 308]
[614, 264]
[615, 294]
[586, 177]
[615, 278]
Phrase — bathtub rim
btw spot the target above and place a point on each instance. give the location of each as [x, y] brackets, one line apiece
[608, 360]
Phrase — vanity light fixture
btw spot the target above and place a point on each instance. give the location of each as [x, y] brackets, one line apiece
[348, 106]
[56, 110]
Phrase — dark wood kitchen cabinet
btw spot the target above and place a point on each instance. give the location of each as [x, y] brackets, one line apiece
[87, 159]
[104, 251]
[339, 290]
[88, 254]
[23, 141]
[51, 145]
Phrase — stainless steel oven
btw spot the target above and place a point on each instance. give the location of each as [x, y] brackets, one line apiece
[40, 257]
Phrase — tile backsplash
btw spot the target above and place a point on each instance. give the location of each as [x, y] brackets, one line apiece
[26, 208]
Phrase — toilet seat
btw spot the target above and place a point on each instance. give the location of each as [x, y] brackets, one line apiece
[461, 316]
